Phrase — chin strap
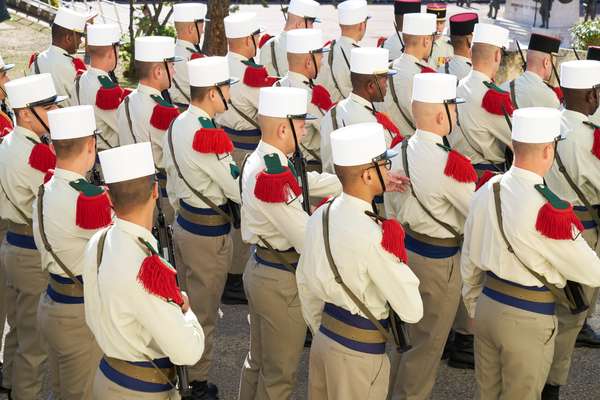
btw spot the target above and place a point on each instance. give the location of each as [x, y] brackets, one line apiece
[222, 98]
[37, 116]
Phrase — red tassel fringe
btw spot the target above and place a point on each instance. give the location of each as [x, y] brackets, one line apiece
[396, 140]
[485, 177]
[32, 58]
[321, 97]
[493, 101]
[258, 77]
[381, 41]
[126, 92]
[48, 176]
[79, 65]
[556, 223]
[159, 279]
[6, 125]
[274, 188]
[42, 158]
[596, 145]
[162, 116]
[196, 56]
[559, 93]
[392, 239]
[427, 70]
[263, 40]
[109, 99]
[460, 168]
[212, 141]
[387, 123]
[93, 212]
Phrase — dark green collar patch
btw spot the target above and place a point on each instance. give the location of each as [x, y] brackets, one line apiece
[88, 190]
[234, 170]
[273, 164]
[206, 123]
[446, 148]
[493, 86]
[106, 82]
[553, 199]
[161, 101]
[252, 64]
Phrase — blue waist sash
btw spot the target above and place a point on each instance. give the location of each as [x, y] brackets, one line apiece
[582, 212]
[203, 221]
[489, 167]
[429, 250]
[22, 241]
[351, 330]
[63, 290]
[140, 376]
[244, 140]
[529, 298]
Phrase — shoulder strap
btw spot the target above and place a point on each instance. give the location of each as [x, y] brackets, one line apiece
[338, 278]
[345, 57]
[77, 86]
[444, 225]
[36, 66]
[47, 246]
[330, 62]
[395, 98]
[19, 211]
[513, 95]
[181, 90]
[244, 116]
[100, 250]
[128, 115]
[242, 173]
[202, 197]
[334, 120]
[274, 58]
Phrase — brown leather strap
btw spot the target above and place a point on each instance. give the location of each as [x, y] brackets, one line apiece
[513, 95]
[19, 211]
[290, 256]
[330, 62]
[77, 85]
[281, 259]
[36, 66]
[397, 103]
[244, 116]
[274, 58]
[242, 173]
[334, 121]
[128, 115]
[442, 242]
[181, 90]
[100, 250]
[154, 374]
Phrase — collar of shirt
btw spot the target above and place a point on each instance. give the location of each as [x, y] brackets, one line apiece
[185, 43]
[526, 175]
[67, 175]
[574, 116]
[348, 41]
[427, 136]
[296, 77]
[360, 100]
[354, 202]
[198, 112]
[237, 56]
[26, 133]
[148, 90]
[462, 58]
[533, 76]
[97, 71]
[136, 231]
[58, 50]
[480, 76]
[405, 58]
[265, 148]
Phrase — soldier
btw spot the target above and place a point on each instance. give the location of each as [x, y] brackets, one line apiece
[494, 7]
[593, 53]
[482, 131]
[301, 14]
[394, 43]
[520, 243]
[6, 115]
[371, 262]
[98, 85]
[274, 220]
[203, 188]
[369, 74]
[240, 122]
[532, 88]
[304, 53]
[189, 21]
[442, 48]
[433, 214]
[67, 213]
[335, 72]
[25, 159]
[574, 178]
[461, 35]
[145, 114]
[140, 318]
[59, 60]
[545, 9]
[418, 32]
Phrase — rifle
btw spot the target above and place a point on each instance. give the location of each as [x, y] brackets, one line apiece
[300, 166]
[524, 63]
[96, 177]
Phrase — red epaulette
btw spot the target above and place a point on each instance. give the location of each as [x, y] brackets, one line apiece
[274, 183]
[6, 125]
[321, 98]
[559, 93]
[49, 174]
[211, 140]
[556, 218]
[110, 95]
[94, 209]
[158, 277]
[485, 177]
[387, 123]
[163, 114]
[396, 140]
[497, 101]
[458, 167]
[381, 41]
[596, 145]
[263, 40]
[426, 70]
[392, 237]
[42, 157]
[197, 55]
[32, 58]
[256, 76]
[79, 65]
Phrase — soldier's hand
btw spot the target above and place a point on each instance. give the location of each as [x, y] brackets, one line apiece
[186, 302]
[397, 182]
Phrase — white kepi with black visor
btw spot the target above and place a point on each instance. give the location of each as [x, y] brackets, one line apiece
[72, 122]
[580, 74]
[191, 12]
[211, 72]
[157, 49]
[434, 88]
[241, 25]
[420, 24]
[371, 61]
[102, 35]
[536, 125]
[71, 19]
[353, 12]
[493, 35]
[307, 9]
[128, 162]
[33, 91]
[306, 41]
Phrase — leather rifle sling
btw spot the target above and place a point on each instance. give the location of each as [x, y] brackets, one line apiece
[513, 94]
[274, 58]
[36, 66]
[338, 278]
[397, 103]
[244, 116]
[181, 90]
[128, 115]
[77, 86]
[330, 62]
[47, 246]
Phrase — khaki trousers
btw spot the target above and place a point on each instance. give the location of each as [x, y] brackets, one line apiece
[71, 346]
[336, 372]
[24, 275]
[277, 333]
[7, 303]
[105, 389]
[440, 290]
[462, 323]
[206, 261]
[569, 325]
[513, 351]
[241, 250]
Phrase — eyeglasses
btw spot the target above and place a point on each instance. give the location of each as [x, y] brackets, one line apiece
[387, 164]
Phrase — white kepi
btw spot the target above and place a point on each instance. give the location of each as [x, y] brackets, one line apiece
[127, 162]
[359, 144]
[536, 125]
[210, 71]
[283, 102]
[72, 122]
[32, 91]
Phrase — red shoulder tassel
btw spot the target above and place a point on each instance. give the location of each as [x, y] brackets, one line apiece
[559, 93]
[557, 223]
[427, 70]
[258, 77]
[263, 40]
[321, 97]
[396, 140]
[162, 116]
[93, 212]
[494, 101]
[274, 188]
[126, 92]
[32, 58]
[42, 158]
[387, 123]
[212, 141]
[381, 41]
[196, 56]
[79, 65]
[485, 177]
[392, 239]
[596, 145]
[109, 99]
[6, 125]
[48, 176]
[159, 279]
[460, 168]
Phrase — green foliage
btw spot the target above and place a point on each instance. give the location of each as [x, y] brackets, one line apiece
[586, 34]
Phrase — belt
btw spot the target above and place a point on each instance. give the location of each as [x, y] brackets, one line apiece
[272, 259]
[203, 221]
[63, 290]
[244, 140]
[314, 165]
[162, 182]
[24, 241]
[20, 229]
[489, 167]
[428, 246]
[140, 376]
[529, 298]
[585, 216]
[352, 331]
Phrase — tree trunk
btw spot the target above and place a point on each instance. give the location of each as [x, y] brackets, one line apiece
[215, 42]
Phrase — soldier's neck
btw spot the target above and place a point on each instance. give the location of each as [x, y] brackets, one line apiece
[583, 108]
[151, 83]
[206, 106]
[463, 52]
[415, 52]
[360, 192]
[101, 65]
[142, 216]
[350, 34]
[78, 166]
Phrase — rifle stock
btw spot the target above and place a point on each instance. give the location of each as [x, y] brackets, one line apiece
[300, 166]
[399, 332]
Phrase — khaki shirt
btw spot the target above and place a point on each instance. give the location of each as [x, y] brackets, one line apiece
[581, 165]
[394, 45]
[485, 250]
[18, 179]
[277, 45]
[180, 89]
[281, 224]
[141, 107]
[441, 53]
[373, 274]
[447, 199]
[488, 133]
[59, 64]
[532, 91]
[68, 240]
[311, 142]
[128, 322]
[210, 174]
[106, 120]
[458, 66]
[244, 97]
[340, 69]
